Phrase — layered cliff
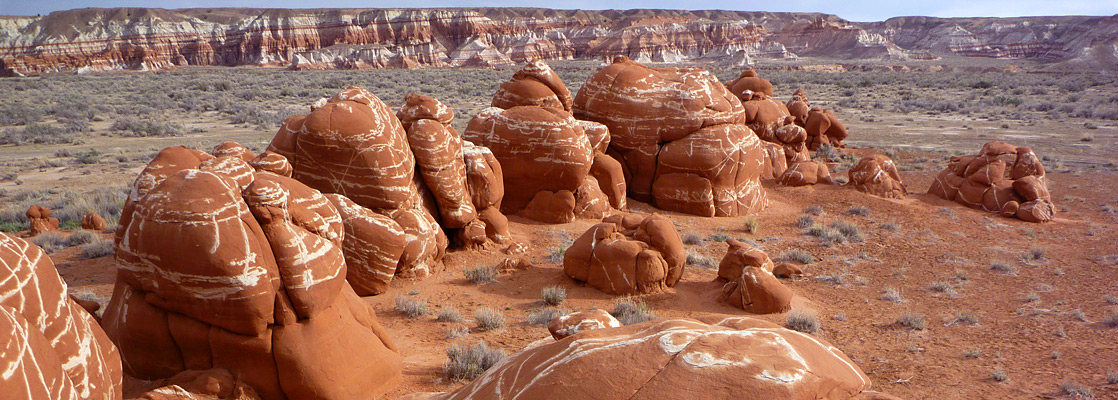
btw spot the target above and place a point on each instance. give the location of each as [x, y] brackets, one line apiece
[85, 40]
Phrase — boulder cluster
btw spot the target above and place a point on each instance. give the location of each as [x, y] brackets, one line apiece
[557, 164]
[679, 135]
[354, 147]
[750, 283]
[877, 175]
[1002, 178]
[627, 254]
[228, 264]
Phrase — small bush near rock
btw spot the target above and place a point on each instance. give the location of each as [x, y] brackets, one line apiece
[413, 308]
[553, 295]
[483, 274]
[488, 318]
[1004, 268]
[628, 312]
[79, 238]
[692, 238]
[752, 225]
[542, 316]
[813, 210]
[802, 320]
[468, 362]
[50, 241]
[797, 255]
[892, 294]
[805, 221]
[1075, 390]
[701, 261]
[999, 375]
[860, 211]
[457, 332]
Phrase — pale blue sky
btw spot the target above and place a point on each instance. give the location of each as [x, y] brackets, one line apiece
[855, 10]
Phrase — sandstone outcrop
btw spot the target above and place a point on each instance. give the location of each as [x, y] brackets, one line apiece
[877, 175]
[690, 151]
[804, 173]
[93, 222]
[627, 254]
[750, 284]
[582, 321]
[717, 358]
[572, 176]
[39, 220]
[223, 266]
[749, 84]
[52, 347]
[824, 129]
[1002, 178]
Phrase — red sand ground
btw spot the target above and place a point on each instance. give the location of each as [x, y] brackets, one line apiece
[1021, 338]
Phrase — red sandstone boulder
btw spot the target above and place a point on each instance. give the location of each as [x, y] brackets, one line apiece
[544, 153]
[574, 323]
[40, 221]
[787, 271]
[353, 145]
[679, 135]
[233, 149]
[748, 83]
[246, 272]
[93, 222]
[803, 173]
[714, 358]
[212, 384]
[877, 175]
[272, 162]
[750, 284]
[824, 129]
[627, 254]
[534, 85]
[52, 348]
[1002, 179]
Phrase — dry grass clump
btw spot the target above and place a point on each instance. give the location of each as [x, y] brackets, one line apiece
[482, 274]
[448, 315]
[700, 261]
[796, 255]
[629, 311]
[892, 294]
[813, 210]
[468, 362]
[911, 321]
[752, 225]
[805, 221]
[543, 316]
[553, 295]
[489, 318]
[413, 308]
[802, 320]
[99, 247]
[1003, 268]
[691, 238]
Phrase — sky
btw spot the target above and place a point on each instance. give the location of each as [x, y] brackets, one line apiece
[854, 10]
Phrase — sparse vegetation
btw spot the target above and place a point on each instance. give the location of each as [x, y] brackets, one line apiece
[796, 255]
[911, 321]
[1003, 268]
[413, 308]
[629, 311]
[802, 320]
[1075, 390]
[1111, 378]
[489, 318]
[859, 211]
[805, 221]
[943, 287]
[79, 238]
[457, 332]
[468, 362]
[999, 375]
[813, 210]
[719, 237]
[1111, 320]
[701, 261]
[892, 294]
[553, 295]
[542, 316]
[752, 226]
[97, 248]
[448, 314]
[965, 317]
[481, 274]
[50, 241]
[972, 353]
[691, 238]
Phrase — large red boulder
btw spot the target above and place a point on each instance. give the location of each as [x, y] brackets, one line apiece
[93, 222]
[805, 173]
[212, 384]
[877, 175]
[748, 83]
[223, 266]
[40, 221]
[52, 348]
[750, 284]
[353, 145]
[1002, 179]
[712, 358]
[627, 254]
[534, 85]
[574, 323]
[824, 129]
[679, 135]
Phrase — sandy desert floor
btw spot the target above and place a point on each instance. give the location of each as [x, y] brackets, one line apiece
[1041, 323]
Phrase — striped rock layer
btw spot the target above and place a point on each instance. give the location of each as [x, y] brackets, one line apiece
[52, 348]
[626, 254]
[230, 267]
[354, 146]
[877, 175]
[750, 284]
[735, 358]
[1002, 179]
[680, 136]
